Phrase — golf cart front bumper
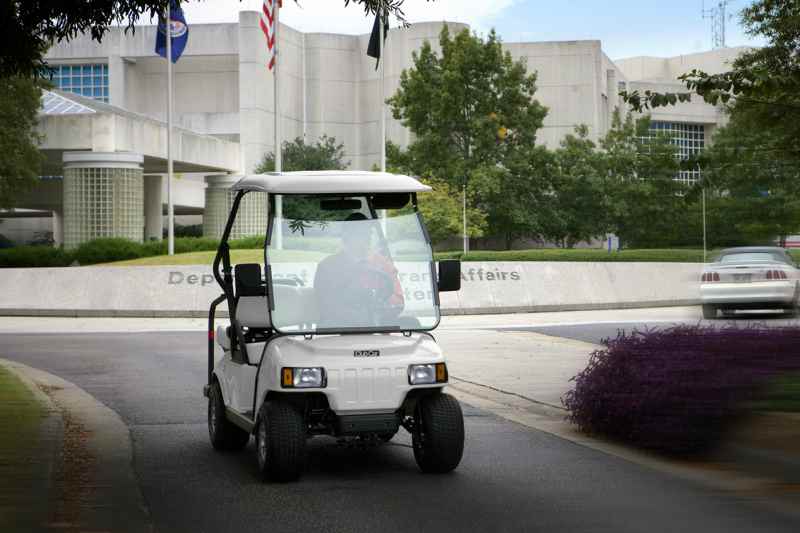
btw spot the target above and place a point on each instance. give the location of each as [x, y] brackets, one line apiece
[355, 384]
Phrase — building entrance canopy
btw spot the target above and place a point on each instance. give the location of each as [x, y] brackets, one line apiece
[69, 122]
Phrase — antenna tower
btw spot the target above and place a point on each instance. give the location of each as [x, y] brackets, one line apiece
[718, 16]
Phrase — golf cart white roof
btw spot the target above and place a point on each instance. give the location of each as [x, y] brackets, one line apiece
[329, 182]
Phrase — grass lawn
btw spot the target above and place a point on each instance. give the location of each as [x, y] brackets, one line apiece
[206, 258]
[20, 417]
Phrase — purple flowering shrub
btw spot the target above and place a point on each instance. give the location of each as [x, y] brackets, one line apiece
[677, 390]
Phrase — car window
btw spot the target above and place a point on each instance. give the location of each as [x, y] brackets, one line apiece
[753, 257]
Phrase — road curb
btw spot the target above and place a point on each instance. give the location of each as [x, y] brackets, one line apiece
[101, 484]
[186, 313]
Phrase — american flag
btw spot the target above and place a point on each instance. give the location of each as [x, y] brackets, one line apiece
[267, 26]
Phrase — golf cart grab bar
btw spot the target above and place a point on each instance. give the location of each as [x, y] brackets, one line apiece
[212, 312]
[225, 279]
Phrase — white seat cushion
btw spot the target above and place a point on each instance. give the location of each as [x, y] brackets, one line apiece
[222, 338]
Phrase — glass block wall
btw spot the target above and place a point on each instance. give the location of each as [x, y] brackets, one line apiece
[102, 202]
[689, 139]
[90, 81]
[251, 219]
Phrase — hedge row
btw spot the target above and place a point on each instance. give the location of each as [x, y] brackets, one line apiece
[679, 390]
[582, 254]
[109, 250]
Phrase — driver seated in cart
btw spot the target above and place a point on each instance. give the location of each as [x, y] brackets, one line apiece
[358, 285]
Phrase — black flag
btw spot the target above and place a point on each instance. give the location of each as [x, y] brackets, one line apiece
[374, 48]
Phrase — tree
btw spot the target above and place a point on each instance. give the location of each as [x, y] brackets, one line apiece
[749, 172]
[752, 186]
[515, 195]
[474, 117]
[578, 209]
[28, 28]
[646, 204]
[21, 161]
[442, 207]
[325, 154]
[441, 211]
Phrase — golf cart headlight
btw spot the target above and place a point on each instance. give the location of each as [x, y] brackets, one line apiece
[303, 378]
[427, 374]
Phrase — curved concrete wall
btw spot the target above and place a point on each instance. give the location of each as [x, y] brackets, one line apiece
[492, 287]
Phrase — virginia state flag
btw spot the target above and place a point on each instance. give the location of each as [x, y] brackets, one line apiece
[179, 31]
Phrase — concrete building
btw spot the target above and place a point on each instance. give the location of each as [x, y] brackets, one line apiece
[224, 112]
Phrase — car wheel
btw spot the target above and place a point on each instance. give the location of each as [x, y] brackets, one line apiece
[438, 436]
[709, 311]
[224, 435]
[280, 442]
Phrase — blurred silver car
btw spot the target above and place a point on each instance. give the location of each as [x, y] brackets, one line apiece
[751, 277]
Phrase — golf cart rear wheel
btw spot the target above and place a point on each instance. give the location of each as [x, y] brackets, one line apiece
[225, 436]
[709, 311]
[438, 436]
[280, 442]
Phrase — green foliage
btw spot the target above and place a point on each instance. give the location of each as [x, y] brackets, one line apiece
[107, 250]
[753, 188]
[325, 154]
[297, 155]
[578, 200]
[468, 108]
[474, 118]
[21, 161]
[646, 205]
[114, 249]
[34, 256]
[581, 254]
[442, 212]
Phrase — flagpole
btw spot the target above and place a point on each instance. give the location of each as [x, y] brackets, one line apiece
[278, 154]
[170, 211]
[381, 90]
[381, 103]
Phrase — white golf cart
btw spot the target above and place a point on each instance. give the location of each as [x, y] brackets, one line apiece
[333, 337]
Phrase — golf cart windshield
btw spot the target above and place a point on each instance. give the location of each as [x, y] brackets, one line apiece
[336, 267]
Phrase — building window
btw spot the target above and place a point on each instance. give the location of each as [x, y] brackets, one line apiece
[89, 81]
[688, 138]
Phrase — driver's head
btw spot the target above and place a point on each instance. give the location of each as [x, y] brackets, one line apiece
[356, 235]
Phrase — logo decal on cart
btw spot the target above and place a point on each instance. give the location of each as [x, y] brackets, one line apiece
[366, 353]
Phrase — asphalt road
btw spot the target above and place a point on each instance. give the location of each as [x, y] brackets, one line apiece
[597, 332]
[511, 479]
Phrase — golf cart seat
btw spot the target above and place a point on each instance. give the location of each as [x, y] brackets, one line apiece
[251, 293]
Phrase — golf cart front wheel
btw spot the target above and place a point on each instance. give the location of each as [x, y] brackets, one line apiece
[280, 442]
[225, 436]
[438, 436]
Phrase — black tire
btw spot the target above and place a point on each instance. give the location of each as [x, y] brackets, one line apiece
[280, 442]
[709, 311]
[225, 436]
[438, 437]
